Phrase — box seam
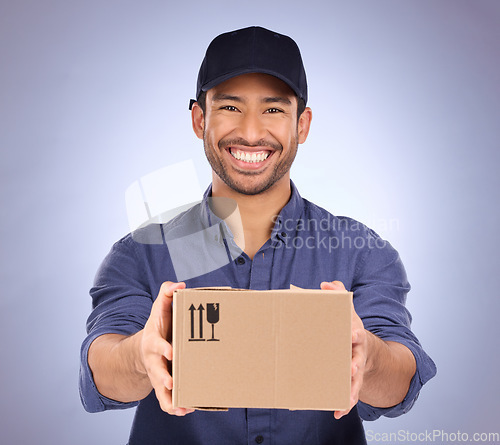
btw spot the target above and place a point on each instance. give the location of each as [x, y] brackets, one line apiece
[277, 309]
[176, 345]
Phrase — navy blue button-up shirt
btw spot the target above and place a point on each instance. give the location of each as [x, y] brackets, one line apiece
[308, 245]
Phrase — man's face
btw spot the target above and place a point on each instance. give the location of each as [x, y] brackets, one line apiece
[250, 132]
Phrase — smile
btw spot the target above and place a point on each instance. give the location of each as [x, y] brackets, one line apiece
[249, 157]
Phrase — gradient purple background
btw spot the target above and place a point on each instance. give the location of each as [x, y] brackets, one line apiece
[405, 137]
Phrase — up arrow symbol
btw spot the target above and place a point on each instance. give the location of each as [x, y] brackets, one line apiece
[201, 309]
[192, 309]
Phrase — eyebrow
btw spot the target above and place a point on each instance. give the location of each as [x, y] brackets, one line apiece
[277, 99]
[220, 97]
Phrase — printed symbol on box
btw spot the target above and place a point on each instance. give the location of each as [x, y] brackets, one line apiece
[212, 318]
[192, 309]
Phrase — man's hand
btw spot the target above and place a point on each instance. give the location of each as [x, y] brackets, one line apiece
[127, 367]
[156, 349]
[359, 351]
[381, 371]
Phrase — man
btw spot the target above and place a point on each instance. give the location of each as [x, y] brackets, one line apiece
[251, 114]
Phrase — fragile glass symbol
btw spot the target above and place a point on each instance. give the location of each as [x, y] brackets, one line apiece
[212, 318]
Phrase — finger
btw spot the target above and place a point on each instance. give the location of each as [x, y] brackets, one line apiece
[338, 285]
[168, 381]
[157, 354]
[183, 411]
[164, 397]
[162, 380]
[357, 323]
[164, 300]
[157, 347]
[333, 285]
[356, 383]
[167, 288]
[358, 360]
[164, 349]
[354, 369]
[339, 414]
[161, 312]
[358, 336]
[158, 372]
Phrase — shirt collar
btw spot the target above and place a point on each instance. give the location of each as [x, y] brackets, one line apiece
[210, 219]
[285, 223]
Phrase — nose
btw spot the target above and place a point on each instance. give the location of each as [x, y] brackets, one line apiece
[251, 128]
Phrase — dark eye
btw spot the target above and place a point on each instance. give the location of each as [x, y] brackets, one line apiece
[229, 108]
[273, 110]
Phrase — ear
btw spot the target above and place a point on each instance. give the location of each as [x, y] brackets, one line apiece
[304, 124]
[198, 120]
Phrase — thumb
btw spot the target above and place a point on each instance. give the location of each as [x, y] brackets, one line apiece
[162, 307]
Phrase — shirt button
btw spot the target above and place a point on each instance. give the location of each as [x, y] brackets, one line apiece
[241, 261]
[259, 439]
[283, 234]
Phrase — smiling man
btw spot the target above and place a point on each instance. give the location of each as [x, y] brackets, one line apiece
[251, 130]
[250, 111]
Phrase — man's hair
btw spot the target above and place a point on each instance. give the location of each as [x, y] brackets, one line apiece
[202, 102]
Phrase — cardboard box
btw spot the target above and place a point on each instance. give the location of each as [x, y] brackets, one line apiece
[262, 349]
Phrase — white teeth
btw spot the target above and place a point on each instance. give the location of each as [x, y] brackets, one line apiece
[249, 157]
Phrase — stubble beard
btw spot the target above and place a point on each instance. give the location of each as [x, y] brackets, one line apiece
[279, 170]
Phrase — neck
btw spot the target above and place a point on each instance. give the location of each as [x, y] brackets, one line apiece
[253, 224]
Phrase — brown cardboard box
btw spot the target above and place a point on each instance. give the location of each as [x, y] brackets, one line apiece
[262, 349]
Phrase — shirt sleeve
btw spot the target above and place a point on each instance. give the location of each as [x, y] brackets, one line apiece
[121, 302]
[380, 289]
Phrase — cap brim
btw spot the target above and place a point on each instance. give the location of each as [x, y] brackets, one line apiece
[224, 77]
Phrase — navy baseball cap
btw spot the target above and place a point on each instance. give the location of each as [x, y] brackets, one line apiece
[252, 50]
